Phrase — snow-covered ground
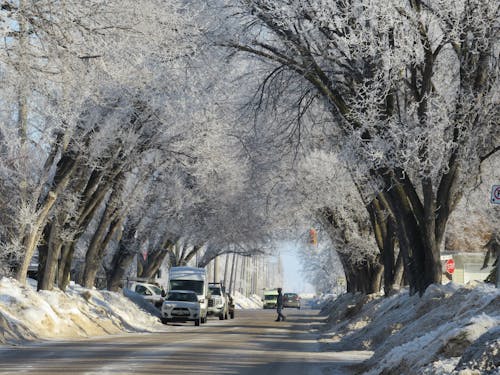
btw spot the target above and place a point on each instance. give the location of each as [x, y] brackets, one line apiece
[26, 314]
[242, 302]
[451, 329]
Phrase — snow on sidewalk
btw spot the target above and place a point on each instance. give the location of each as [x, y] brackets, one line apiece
[26, 314]
[451, 329]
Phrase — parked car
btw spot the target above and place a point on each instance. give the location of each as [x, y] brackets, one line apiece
[150, 292]
[181, 306]
[217, 303]
[291, 300]
[194, 279]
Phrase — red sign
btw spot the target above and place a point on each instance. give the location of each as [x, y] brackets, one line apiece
[450, 266]
[313, 236]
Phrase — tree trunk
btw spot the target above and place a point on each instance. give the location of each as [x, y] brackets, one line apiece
[124, 256]
[151, 267]
[417, 231]
[384, 228]
[67, 252]
[54, 246]
[109, 223]
[64, 170]
[42, 262]
[88, 209]
[32, 237]
[432, 262]
[363, 277]
[182, 258]
[121, 262]
[398, 273]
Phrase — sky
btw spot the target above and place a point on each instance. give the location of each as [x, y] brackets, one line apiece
[427, 334]
[293, 279]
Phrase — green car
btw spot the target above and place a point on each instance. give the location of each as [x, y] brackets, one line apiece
[270, 299]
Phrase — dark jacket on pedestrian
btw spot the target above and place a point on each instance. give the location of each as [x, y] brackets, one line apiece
[279, 301]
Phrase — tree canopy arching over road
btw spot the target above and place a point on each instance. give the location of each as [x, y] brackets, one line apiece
[187, 128]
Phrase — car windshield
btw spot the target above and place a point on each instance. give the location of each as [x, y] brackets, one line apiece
[215, 290]
[155, 289]
[193, 285]
[291, 296]
[179, 296]
[270, 297]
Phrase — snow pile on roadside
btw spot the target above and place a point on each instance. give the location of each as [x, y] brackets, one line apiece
[242, 302]
[26, 314]
[451, 329]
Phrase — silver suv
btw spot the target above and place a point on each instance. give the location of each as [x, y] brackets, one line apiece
[217, 304]
[181, 306]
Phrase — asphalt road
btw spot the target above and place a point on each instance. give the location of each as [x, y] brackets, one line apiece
[252, 343]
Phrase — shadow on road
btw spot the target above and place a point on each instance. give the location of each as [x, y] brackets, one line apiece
[251, 344]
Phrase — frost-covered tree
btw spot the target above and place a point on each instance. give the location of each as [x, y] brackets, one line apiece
[330, 192]
[201, 202]
[411, 91]
[66, 55]
[322, 267]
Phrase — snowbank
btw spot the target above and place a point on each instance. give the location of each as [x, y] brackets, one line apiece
[242, 302]
[451, 329]
[26, 314]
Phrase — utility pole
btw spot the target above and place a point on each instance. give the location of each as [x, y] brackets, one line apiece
[216, 269]
[231, 275]
[494, 242]
[226, 266]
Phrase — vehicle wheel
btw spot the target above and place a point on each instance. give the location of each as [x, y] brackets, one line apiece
[231, 315]
[203, 319]
[225, 316]
[197, 322]
[221, 317]
[164, 320]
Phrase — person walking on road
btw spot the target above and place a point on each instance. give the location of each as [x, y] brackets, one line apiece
[279, 306]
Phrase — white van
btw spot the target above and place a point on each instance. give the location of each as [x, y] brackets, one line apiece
[194, 279]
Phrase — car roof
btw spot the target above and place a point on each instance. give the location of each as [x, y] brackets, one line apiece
[143, 283]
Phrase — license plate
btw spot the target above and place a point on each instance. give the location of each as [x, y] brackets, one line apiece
[180, 313]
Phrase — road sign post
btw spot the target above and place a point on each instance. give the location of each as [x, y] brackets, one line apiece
[495, 199]
[498, 271]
